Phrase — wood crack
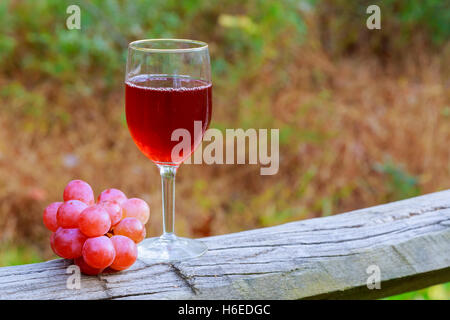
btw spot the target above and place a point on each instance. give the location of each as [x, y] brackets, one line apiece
[242, 274]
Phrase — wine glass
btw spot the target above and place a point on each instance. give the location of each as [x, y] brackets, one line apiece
[168, 97]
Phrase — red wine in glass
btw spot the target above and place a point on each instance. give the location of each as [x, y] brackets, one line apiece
[158, 105]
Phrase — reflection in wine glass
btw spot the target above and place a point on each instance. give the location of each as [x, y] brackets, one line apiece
[167, 87]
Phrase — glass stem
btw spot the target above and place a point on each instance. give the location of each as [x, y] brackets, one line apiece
[168, 200]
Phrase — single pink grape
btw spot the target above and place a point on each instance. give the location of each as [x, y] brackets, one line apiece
[85, 268]
[79, 190]
[136, 208]
[49, 216]
[112, 195]
[114, 210]
[99, 252]
[94, 221]
[126, 252]
[69, 212]
[68, 243]
[131, 228]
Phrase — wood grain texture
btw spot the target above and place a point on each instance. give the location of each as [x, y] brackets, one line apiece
[318, 258]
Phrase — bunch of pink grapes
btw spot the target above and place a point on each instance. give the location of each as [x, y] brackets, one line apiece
[96, 235]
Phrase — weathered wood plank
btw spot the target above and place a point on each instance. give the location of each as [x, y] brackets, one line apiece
[319, 258]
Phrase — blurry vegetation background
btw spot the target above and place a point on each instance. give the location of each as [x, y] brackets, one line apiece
[364, 115]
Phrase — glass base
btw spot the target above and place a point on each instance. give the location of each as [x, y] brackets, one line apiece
[169, 248]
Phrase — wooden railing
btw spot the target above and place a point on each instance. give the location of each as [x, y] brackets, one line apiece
[405, 245]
